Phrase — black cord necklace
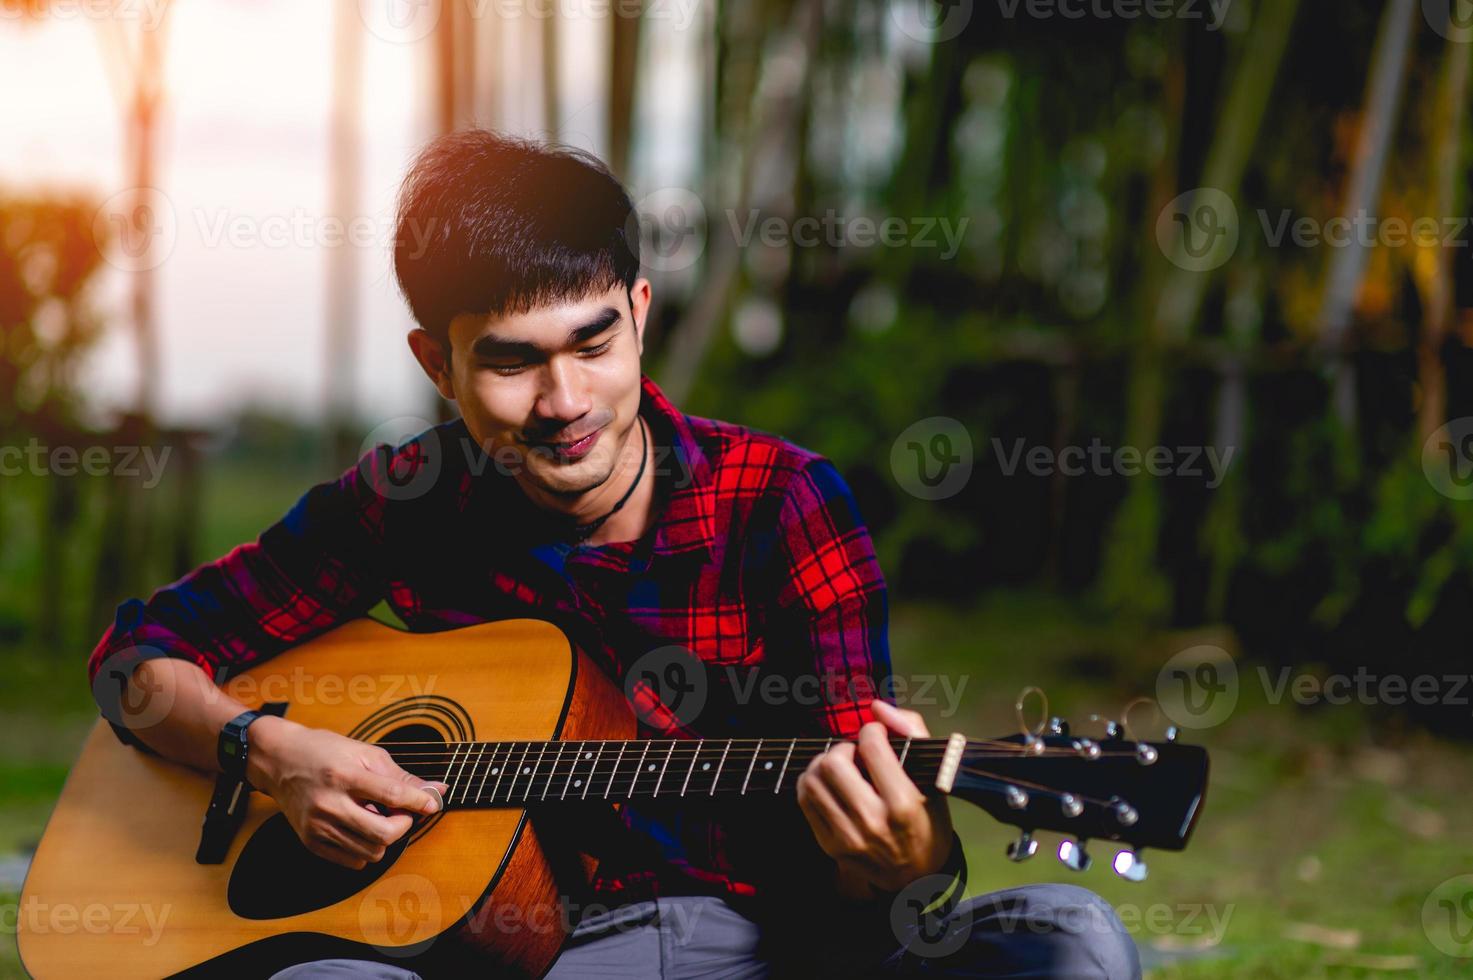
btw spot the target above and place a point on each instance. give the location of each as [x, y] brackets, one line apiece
[582, 532]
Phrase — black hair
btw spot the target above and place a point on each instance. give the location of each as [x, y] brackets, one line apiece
[492, 224]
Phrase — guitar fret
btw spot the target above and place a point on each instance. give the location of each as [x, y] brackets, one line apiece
[541, 751]
[637, 767]
[466, 792]
[447, 780]
[750, 765]
[665, 766]
[490, 764]
[511, 786]
[572, 769]
[791, 746]
[693, 759]
[717, 778]
[614, 771]
[560, 747]
[501, 772]
[904, 751]
[593, 769]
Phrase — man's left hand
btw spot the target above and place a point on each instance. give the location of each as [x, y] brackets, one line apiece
[883, 832]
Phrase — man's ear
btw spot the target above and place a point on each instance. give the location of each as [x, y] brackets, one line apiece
[639, 307]
[433, 357]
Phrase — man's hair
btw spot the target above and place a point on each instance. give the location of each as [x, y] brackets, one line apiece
[491, 224]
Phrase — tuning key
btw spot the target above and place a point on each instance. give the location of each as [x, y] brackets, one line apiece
[1017, 798]
[1023, 848]
[1058, 726]
[1071, 805]
[1125, 813]
[1128, 865]
[1145, 754]
[1088, 748]
[1073, 856]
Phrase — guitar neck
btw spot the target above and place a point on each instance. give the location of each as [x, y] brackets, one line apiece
[491, 774]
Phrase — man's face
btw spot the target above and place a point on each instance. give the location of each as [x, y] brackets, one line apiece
[552, 394]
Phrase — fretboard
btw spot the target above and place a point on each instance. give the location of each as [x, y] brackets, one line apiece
[485, 774]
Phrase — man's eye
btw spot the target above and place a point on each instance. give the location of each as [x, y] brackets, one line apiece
[507, 368]
[601, 348]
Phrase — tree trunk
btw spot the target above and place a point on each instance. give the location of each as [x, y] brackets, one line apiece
[1130, 578]
[344, 171]
[1363, 193]
[1446, 137]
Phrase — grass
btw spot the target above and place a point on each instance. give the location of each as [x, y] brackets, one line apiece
[1322, 838]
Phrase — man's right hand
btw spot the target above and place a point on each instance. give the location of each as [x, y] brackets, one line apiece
[347, 800]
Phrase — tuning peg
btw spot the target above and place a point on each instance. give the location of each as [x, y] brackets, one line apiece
[1017, 799]
[1023, 848]
[1088, 748]
[1172, 732]
[1073, 855]
[1145, 754]
[1071, 805]
[1058, 726]
[1125, 813]
[1128, 865]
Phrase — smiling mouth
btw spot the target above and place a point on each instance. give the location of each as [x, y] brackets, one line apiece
[575, 449]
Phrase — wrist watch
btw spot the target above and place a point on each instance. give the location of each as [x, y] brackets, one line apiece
[234, 747]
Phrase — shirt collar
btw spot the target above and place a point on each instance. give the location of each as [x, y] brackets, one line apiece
[687, 521]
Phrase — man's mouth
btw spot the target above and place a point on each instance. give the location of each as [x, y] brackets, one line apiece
[576, 449]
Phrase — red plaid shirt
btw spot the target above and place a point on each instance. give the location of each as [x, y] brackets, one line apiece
[758, 564]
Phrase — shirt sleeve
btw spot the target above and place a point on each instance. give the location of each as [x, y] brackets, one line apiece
[320, 565]
[833, 621]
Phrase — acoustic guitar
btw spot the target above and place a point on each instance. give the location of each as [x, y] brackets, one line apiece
[514, 719]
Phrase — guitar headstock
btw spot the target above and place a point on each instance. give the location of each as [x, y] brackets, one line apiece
[1141, 794]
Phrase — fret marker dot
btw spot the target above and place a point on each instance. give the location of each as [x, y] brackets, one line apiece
[766, 765]
[577, 782]
[526, 769]
[588, 755]
[496, 770]
[651, 768]
[705, 765]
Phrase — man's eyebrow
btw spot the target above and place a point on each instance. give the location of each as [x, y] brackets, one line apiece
[491, 345]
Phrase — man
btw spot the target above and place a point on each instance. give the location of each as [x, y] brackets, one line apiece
[589, 499]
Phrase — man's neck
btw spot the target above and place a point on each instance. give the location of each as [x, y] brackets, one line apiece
[635, 515]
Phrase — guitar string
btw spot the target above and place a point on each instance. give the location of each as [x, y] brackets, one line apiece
[624, 785]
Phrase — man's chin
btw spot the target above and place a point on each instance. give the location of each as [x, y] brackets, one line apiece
[570, 480]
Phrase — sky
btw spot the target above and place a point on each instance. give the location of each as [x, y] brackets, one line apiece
[243, 177]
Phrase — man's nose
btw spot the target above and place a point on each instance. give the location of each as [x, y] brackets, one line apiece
[564, 397]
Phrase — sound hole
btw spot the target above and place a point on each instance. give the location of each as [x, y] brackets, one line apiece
[276, 876]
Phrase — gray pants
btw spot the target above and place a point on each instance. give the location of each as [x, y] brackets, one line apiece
[1037, 931]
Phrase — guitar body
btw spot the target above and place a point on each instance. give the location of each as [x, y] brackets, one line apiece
[114, 888]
